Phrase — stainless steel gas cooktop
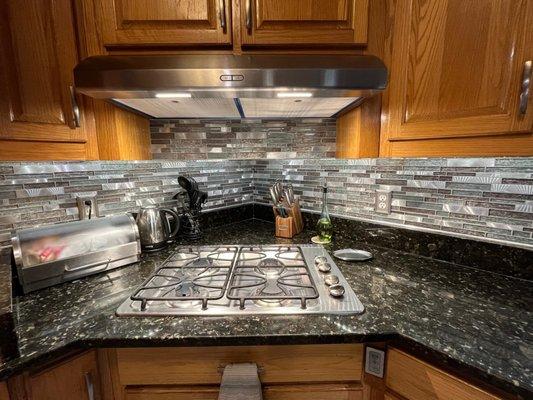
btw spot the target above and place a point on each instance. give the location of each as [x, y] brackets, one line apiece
[244, 280]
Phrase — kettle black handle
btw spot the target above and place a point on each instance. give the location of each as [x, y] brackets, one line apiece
[172, 234]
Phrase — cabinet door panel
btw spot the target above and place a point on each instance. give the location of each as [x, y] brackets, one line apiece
[67, 381]
[37, 55]
[416, 380]
[163, 22]
[308, 22]
[456, 68]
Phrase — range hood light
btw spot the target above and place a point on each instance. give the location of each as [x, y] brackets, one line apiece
[173, 95]
[294, 94]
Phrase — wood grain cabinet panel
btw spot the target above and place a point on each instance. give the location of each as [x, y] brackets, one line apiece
[4, 395]
[277, 364]
[37, 54]
[76, 378]
[307, 22]
[416, 380]
[455, 72]
[163, 22]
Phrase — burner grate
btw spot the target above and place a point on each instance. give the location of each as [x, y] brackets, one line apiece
[272, 276]
[191, 275]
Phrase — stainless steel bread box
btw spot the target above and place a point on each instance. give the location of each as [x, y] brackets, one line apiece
[51, 254]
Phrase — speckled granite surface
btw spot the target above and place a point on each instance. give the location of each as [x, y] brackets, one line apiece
[476, 322]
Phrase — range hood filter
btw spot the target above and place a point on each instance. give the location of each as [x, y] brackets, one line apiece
[320, 107]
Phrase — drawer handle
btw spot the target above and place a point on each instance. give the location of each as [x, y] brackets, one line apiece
[526, 83]
[222, 15]
[249, 16]
[89, 386]
[104, 264]
[75, 108]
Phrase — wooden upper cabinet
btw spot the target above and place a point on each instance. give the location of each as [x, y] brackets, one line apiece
[163, 22]
[304, 22]
[37, 55]
[456, 69]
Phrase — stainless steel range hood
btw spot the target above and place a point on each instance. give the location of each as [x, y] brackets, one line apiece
[229, 86]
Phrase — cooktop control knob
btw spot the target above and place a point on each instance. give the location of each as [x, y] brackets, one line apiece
[336, 290]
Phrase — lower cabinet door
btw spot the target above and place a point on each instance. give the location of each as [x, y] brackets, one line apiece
[76, 378]
[337, 391]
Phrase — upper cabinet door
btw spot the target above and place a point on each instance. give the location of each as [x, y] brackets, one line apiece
[163, 22]
[37, 54]
[304, 22]
[456, 71]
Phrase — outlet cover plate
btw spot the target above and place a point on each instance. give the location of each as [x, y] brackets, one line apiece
[374, 362]
[382, 201]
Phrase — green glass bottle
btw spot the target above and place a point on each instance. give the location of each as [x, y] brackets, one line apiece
[324, 226]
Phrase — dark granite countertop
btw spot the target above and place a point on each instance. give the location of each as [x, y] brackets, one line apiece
[477, 323]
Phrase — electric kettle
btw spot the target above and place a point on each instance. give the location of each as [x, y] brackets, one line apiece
[154, 227]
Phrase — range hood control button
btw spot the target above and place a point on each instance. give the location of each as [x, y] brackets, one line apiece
[226, 78]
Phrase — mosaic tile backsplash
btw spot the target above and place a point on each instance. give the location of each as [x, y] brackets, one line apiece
[243, 138]
[42, 193]
[487, 198]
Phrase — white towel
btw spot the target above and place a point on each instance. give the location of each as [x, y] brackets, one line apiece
[240, 382]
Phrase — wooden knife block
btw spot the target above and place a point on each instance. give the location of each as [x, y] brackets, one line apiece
[292, 225]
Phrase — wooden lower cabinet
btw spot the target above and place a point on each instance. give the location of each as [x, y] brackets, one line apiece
[416, 380]
[4, 395]
[75, 378]
[291, 372]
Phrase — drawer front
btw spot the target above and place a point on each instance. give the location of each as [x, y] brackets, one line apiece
[416, 380]
[204, 365]
[337, 391]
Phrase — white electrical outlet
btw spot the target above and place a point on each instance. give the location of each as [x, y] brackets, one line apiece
[375, 362]
[382, 201]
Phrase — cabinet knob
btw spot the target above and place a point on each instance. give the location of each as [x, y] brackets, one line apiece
[75, 108]
[525, 84]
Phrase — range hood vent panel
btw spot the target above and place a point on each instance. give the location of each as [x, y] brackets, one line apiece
[329, 83]
[183, 108]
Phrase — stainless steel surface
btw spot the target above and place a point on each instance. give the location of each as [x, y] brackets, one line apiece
[248, 7]
[337, 290]
[89, 385]
[75, 108]
[352, 255]
[525, 86]
[247, 85]
[331, 279]
[52, 254]
[240, 280]
[87, 207]
[222, 15]
[154, 229]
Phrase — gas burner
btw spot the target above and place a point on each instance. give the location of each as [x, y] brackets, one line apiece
[241, 280]
[270, 267]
